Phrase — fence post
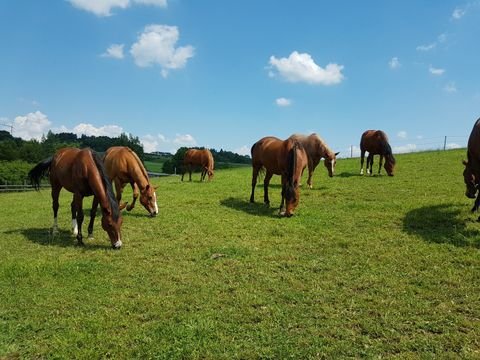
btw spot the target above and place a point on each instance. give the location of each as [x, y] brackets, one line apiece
[445, 143]
[351, 151]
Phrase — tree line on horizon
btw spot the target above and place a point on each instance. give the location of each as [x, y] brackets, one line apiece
[17, 155]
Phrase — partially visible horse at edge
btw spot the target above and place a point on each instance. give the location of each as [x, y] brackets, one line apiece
[471, 173]
[81, 172]
[123, 167]
[376, 143]
[316, 149]
[286, 158]
[199, 157]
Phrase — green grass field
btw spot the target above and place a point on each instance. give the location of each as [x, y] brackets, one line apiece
[368, 267]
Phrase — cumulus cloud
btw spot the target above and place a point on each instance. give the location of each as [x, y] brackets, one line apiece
[435, 71]
[458, 13]
[283, 102]
[301, 68]
[243, 150]
[402, 134]
[91, 130]
[426, 47]
[453, 146]
[156, 46]
[450, 87]
[104, 7]
[114, 51]
[160, 142]
[405, 148]
[31, 126]
[394, 63]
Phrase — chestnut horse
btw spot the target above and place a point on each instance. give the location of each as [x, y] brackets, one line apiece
[199, 157]
[123, 167]
[286, 158]
[471, 174]
[316, 149]
[81, 172]
[376, 143]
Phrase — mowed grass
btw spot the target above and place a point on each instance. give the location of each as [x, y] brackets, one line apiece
[368, 267]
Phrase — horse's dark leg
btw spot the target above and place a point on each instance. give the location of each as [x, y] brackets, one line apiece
[119, 190]
[310, 174]
[78, 199]
[362, 159]
[93, 213]
[183, 174]
[266, 182]
[74, 217]
[55, 194]
[135, 196]
[380, 164]
[254, 183]
[282, 202]
[202, 176]
[369, 164]
[189, 172]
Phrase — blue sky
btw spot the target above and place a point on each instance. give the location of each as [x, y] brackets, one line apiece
[223, 74]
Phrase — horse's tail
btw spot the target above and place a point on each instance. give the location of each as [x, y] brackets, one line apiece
[39, 171]
[107, 184]
[291, 166]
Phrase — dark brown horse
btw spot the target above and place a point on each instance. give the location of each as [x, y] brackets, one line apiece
[82, 173]
[286, 158]
[123, 167]
[471, 174]
[316, 149]
[376, 143]
[199, 157]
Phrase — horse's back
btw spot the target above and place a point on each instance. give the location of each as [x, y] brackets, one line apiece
[70, 168]
[373, 141]
[119, 162]
[201, 157]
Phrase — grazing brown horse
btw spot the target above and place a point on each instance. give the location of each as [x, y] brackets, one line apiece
[124, 167]
[82, 173]
[286, 158]
[316, 149]
[471, 174]
[199, 157]
[376, 143]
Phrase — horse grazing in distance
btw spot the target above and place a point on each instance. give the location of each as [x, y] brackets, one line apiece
[286, 158]
[376, 143]
[81, 172]
[316, 149]
[199, 157]
[123, 167]
[471, 173]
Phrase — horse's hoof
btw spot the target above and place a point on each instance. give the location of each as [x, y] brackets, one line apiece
[117, 245]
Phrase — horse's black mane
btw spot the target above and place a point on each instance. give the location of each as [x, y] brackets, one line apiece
[291, 165]
[107, 184]
[388, 152]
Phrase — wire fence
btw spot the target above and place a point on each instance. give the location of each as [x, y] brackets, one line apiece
[408, 146]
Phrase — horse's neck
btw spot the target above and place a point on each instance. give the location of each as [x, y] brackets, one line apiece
[139, 174]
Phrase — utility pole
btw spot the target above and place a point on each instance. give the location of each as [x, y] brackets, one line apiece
[351, 151]
[445, 143]
[8, 126]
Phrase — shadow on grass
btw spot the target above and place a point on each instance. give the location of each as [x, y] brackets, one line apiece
[259, 209]
[63, 238]
[442, 224]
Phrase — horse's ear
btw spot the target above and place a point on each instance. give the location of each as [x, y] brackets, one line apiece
[337, 153]
[464, 162]
[147, 187]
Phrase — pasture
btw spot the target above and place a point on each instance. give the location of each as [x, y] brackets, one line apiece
[368, 266]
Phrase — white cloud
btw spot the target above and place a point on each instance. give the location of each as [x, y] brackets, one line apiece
[283, 102]
[452, 146]
[458, 13]
[104, 7]
[426, 47]
[394, 63]
[244, 150]
[91, 130]
[301, 68]
[442, 38]
[405, 148]
[114, 51]
[435, 71]
[156, 46]
[402, 134]
[184, 140]
[450, 87]
[31, 126]
[160, 142]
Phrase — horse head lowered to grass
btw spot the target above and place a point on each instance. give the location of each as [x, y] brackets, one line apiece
[123, 167]
[286, 158]
[82, 173]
